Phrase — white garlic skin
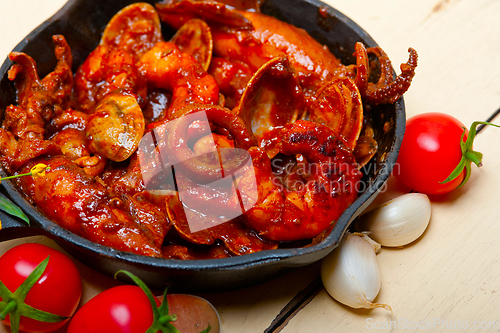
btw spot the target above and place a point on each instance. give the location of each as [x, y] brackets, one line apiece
[397, 222]
[351, 274]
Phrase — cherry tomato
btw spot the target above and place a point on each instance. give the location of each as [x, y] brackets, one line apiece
[119, 309]
[57, 291]
[134, 309]
[430, 152]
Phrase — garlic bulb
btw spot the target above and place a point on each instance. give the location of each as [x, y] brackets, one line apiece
[351, 275]
[399, 221]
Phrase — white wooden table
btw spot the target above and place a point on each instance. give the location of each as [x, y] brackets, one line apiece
[447, 280]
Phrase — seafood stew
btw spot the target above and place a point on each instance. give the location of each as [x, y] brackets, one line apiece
[294, 126]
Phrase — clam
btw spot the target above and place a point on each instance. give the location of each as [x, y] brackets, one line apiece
[338, 105]
[115, 127]
[272, 99]
[366, 147]
[195, 38]
[176, 13]
[136, 29]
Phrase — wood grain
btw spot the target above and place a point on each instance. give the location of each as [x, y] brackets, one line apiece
[448, 279]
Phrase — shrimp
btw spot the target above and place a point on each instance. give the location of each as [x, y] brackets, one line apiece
[112, 65]
[104, 71]
[109, 87]
[165, 66]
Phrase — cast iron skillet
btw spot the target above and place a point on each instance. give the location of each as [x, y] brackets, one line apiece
[81, 22]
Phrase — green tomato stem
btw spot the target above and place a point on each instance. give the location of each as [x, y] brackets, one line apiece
[468, 154]
[161, 318]
[10, 307]
[475, 157]
[167, 319]
[16, 307]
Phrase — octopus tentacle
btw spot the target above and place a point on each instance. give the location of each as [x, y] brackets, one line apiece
[32, 98]
[208, 167]
[388, 90]
[59, 83]
[38, 100]
[328, 188]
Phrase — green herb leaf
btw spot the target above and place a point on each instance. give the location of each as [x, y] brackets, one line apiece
[10, 208]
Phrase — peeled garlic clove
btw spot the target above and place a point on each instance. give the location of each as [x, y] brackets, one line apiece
[351, 275]
[399, 221]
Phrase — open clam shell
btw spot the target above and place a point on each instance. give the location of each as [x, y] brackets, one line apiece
[272, 99]
[338, 105]
[195, 38]
[115, 128]
[138, 17]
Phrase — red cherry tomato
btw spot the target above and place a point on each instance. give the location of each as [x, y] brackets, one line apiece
[57, 291]
[430, 152]
[116, 310]
[134, 309]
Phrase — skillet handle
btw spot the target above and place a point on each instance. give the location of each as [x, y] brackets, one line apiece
[13, 227]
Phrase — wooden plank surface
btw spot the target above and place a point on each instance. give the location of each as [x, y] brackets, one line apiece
[452, 273]
[19, 17]
[450, 278]
[457, 43]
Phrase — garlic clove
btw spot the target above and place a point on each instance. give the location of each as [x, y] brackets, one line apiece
[351, 274]
[397, 222]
